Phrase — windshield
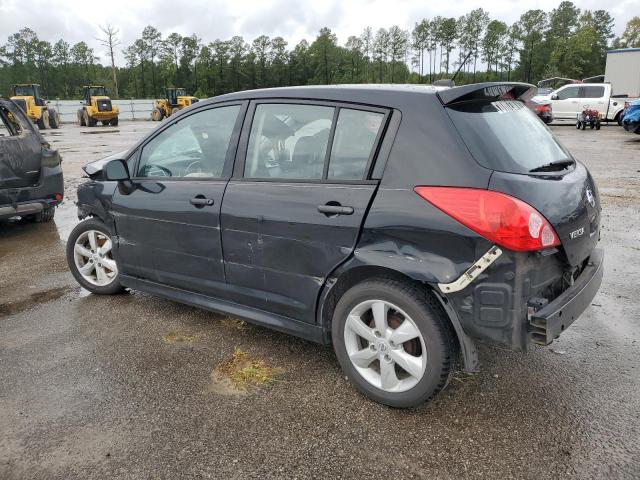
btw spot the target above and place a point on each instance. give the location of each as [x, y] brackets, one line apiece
[505, 135]
[97, 92]
[181, 92]
[26, 91]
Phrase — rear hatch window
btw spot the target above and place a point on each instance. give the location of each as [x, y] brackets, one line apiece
[505, 135]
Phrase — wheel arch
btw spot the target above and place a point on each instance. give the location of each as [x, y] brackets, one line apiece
[349, 275]
[94, 201]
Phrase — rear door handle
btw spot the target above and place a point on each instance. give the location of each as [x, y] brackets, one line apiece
[200, 201]
[331, 210]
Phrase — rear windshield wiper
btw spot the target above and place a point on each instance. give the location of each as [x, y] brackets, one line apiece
[553, 166]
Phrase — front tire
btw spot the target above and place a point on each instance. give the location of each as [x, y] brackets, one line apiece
[43, 122]
[393, 342]
[156, 115]
[90, 258]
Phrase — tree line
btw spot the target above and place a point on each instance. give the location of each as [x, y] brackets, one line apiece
[566, 41]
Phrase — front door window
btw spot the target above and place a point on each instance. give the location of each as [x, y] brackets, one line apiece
[193, 147]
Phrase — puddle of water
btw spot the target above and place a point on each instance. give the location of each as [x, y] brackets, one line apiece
[65, 219]
[93, 132]
[36, 298]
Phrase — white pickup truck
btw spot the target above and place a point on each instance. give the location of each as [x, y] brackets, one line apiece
[570, 100]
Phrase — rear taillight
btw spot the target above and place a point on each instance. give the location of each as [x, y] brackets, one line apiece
[500, 218]
[543, 108]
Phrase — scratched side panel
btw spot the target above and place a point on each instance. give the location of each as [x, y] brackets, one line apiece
[278, 249]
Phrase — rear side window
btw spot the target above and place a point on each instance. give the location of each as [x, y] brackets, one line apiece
[506, 136]
[353, 143]
[592, 92]
[288, 141]
[569, 92]
[312, 142]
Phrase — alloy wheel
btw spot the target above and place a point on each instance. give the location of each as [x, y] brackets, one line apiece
[94, 258]
[385, 346]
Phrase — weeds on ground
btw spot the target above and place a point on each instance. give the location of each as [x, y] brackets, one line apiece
[245, 371]
[178, 336]
[235, 323]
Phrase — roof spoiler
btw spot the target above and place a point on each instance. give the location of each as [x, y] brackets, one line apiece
[488, 91]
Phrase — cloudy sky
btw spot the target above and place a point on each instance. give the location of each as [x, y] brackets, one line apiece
[76, 20]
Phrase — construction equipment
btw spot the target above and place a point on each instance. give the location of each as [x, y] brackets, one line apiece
[27, 96]
[175, 99]
[96, 107]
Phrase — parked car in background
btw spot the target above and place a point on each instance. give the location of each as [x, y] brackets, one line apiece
[542, 108]
[570, 100]
[631, 119]
[31, 183]
[399, 223]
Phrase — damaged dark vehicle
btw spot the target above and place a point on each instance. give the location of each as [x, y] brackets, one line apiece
[31, 181]
[400, 224]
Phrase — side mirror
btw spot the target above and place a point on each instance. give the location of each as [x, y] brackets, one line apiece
[554, 96]
[116, 170]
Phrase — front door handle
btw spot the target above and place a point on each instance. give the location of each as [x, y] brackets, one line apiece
[200, 201]
[332, 209]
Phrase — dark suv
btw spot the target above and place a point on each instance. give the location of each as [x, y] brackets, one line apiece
[31, 182]
[399, 224]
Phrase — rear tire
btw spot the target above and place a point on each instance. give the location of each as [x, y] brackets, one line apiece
[114, 122]
[174, 110]
[90, 247]
[409, 314]
[46, 215]
[91, 122]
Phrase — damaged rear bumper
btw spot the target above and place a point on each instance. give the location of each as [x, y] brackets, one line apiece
[29, 200]
[549, 321]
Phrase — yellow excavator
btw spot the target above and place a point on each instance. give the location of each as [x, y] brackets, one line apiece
[27, 96]
[175, 100]
[96, 107]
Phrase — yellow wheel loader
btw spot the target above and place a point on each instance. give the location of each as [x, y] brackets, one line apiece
[27, 96]
[96, 107]
[175, 100]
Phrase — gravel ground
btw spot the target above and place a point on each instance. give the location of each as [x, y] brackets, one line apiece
[124, 386]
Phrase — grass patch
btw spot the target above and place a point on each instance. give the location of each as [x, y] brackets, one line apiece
[235, 323]
[245, 371]
[178, 336]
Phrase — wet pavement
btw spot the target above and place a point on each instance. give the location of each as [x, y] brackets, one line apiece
[123, 386]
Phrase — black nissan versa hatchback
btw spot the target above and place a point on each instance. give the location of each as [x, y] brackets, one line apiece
[401, 224]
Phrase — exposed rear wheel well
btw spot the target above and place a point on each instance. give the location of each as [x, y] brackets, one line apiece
[359, 274]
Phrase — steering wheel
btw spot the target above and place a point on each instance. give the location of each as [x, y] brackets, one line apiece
[196, 166]
[157, 171]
